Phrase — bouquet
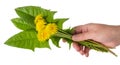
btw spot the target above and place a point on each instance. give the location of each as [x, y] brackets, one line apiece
[39, 26]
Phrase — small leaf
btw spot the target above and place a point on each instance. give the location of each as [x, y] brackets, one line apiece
[55, 41]
[50, 16]
[25, 39]
[60, 22]
[69, 30]
[21, 24]
[69, 42]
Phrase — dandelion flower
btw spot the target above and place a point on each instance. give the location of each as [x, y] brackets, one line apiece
[40, 25]
[44, 30]
[42, 36]
[51, 28]
[37, 18]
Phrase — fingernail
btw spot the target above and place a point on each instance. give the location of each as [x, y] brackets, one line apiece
[81, 52]
[86, 55]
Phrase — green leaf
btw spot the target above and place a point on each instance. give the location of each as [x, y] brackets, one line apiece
[25, 39]
[69, 31]
[50, 16]
[69, 42]
[28, 13]
[55, 41]
[33, 10]
[60, 22]
[25, 16]
[21, 24]
[43, 44]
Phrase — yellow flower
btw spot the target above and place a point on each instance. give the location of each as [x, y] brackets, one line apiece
[51, 28]
[42, 36]
[40, 25]
[44, 31]
[37, 18]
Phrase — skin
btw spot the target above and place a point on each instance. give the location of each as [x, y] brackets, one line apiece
[108, 35]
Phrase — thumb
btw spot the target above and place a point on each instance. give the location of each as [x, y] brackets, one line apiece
[81, 37]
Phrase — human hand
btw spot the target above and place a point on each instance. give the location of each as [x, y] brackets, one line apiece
[107, 35]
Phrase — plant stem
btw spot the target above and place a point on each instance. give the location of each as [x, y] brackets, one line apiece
[88, 43]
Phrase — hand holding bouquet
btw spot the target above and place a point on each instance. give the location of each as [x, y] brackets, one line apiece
[39, 26]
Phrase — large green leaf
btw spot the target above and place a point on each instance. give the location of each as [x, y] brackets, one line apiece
[25, 16]
[25, 39]
[60, 22]
[21, 24]
[28, 13]
[32, 10]
[55, 41]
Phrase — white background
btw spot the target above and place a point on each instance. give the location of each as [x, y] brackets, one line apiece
[79, 11]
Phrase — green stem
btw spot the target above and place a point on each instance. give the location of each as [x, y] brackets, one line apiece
[62, 34]
[88, 43]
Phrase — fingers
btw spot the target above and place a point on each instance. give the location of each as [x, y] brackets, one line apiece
[78, 48]
[81, 29]
[81, 49]
[86, 51]
[78, 29]
[81, 33]
[81, 36]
